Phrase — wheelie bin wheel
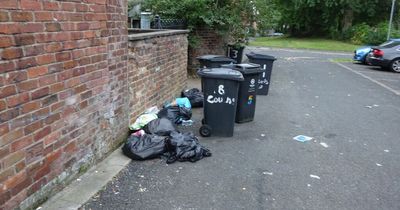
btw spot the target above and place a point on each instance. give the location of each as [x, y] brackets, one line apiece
[205, 131]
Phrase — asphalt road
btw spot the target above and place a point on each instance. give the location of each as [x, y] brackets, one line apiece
[353, 110]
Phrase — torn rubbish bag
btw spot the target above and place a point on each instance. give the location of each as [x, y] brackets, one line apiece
[175, 113]
[160, 126]
[145, 147]
[185, 147]
[142, 120]
[195, 97]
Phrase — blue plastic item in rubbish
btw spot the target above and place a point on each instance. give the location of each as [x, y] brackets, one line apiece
[183, 102]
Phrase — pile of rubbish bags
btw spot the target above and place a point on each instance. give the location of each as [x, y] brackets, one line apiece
[154, 134]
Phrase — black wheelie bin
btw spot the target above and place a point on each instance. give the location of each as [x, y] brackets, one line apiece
[214, 61]
[220, 88]
[246, 107]
[266, 62]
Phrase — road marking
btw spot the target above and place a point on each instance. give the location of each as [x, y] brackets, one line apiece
[370, 79]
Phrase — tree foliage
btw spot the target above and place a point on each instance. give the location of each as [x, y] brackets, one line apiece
[327, 17]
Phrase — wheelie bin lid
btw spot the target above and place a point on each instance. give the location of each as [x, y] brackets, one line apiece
[253, 55]
[216, 58]
[245, 68]
[221, 73]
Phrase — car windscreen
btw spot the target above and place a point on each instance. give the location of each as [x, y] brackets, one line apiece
[389, 44]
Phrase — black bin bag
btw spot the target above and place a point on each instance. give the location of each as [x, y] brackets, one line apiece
[175, 113]
[160, 127]
[144, 147]
[185, 147]
[195, 97]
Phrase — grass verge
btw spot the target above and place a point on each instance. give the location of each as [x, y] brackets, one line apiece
[304, 43]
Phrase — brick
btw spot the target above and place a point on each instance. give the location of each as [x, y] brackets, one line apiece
[67, 26]
[7, 91]
[33, 128]
[52, 6]
[78, 53]
[33, 50]
[21, 16]
[7, 66]
[53, 47]
[6, 174]
[9, 4]
[43, 16]
[48, 80]
[63, 56]
[67, 6]
[42, 133]
[45, 59]
[37, 185]
[70, 64]
[43, 171]
[76, 35]
[86, 95]
[54, 156]
[9, 114]
[9, 28]
[37, 71]
[17, 76]
[12, 53]
[40, 93]
[21, 143]
[26, 63]
[3, 105]
[44, 38]
[6, 41]
[82, 26]
[27, 85]
[21, 186]
[11, 136]
[52, 118]
[57, 87]
[53, 27]
[97, 8]
[30, 107]
[17, 99]
[34, 152]
[13, 158]
[31, 28]
[82, 8]
[21, 121]
[4, 16]
[70, 45]
[31, 5]
[4, 151]
[20, 166]
[24, 39]
[75, 17]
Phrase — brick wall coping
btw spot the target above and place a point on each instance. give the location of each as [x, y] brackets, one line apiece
[138, 34]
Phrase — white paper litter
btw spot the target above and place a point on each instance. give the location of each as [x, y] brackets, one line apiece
[324, 144]
[315, 176]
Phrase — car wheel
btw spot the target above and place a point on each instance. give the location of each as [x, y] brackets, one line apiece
[395, 65]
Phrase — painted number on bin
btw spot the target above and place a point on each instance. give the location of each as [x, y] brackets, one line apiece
[220, 99]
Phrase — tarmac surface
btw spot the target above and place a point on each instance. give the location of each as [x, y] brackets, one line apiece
[351, 111]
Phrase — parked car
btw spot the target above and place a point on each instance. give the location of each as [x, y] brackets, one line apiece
[361, 53]
[387, 56]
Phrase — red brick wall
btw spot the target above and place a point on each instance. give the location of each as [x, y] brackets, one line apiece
[209, 42]
[63, 90]
[158, 71]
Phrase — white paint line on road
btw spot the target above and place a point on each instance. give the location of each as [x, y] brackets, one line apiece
[370, 79]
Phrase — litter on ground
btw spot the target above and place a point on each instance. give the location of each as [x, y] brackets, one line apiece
[302, 138]
[315, 176]
[324, 144]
